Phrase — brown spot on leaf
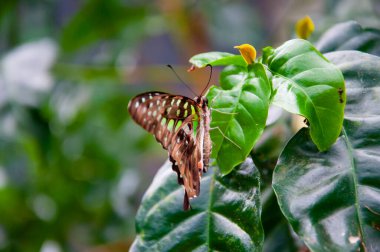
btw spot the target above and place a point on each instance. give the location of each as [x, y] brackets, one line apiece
[376, 226]
[340, 92]
[306, 122]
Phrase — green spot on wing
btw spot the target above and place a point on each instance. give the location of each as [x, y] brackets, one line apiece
[195, 125]
[192, 110]
[163, 121]
[179, 123]
[170, 124]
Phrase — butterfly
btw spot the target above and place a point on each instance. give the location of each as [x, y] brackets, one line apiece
[181, 125]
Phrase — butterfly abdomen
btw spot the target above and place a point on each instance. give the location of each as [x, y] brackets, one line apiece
[207, 140]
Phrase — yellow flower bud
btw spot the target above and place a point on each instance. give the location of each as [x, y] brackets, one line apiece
[248, 52]
[304, 27]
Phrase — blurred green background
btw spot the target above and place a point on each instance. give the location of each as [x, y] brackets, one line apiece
[73, 166]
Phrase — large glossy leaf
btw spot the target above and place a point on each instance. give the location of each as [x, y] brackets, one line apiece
[332, 198]
[217, 59]
[306, 83]
[225, 216]
[350, 36]
[239, 112]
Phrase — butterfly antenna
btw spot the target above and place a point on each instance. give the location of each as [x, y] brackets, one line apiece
[209, 79]
[179, 78]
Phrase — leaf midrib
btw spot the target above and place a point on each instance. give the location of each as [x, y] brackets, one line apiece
[354, 176]
[209, 213]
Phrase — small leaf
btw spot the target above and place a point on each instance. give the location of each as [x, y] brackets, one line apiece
[332, 198]
[225, 216]
[239, 112]
[306, 83]
[350, 36]
[217, 59]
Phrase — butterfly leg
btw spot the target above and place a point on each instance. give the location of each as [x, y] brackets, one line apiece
[213, 99]
[224, 112]
[219, 111]
[221, 132]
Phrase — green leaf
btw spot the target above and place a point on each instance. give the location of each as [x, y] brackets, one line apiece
[217, 59]
[306, 83]
[239, 112]
[225, 216]
[350, 36]
[332, 198]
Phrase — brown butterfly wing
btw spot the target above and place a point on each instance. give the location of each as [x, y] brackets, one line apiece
[160, 114]
[172, 120]
[186, 158]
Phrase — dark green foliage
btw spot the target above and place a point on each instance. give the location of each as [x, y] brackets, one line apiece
[224, 217]
[331, 198]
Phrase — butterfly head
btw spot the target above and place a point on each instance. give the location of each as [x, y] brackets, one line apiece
[202, 101]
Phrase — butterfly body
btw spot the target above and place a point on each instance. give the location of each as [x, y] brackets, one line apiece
[181, 125]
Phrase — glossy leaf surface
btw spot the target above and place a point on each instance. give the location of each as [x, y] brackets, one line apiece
[239, 112]
[350, 36]
[332, 198]
[226, 215]
[306, 83]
